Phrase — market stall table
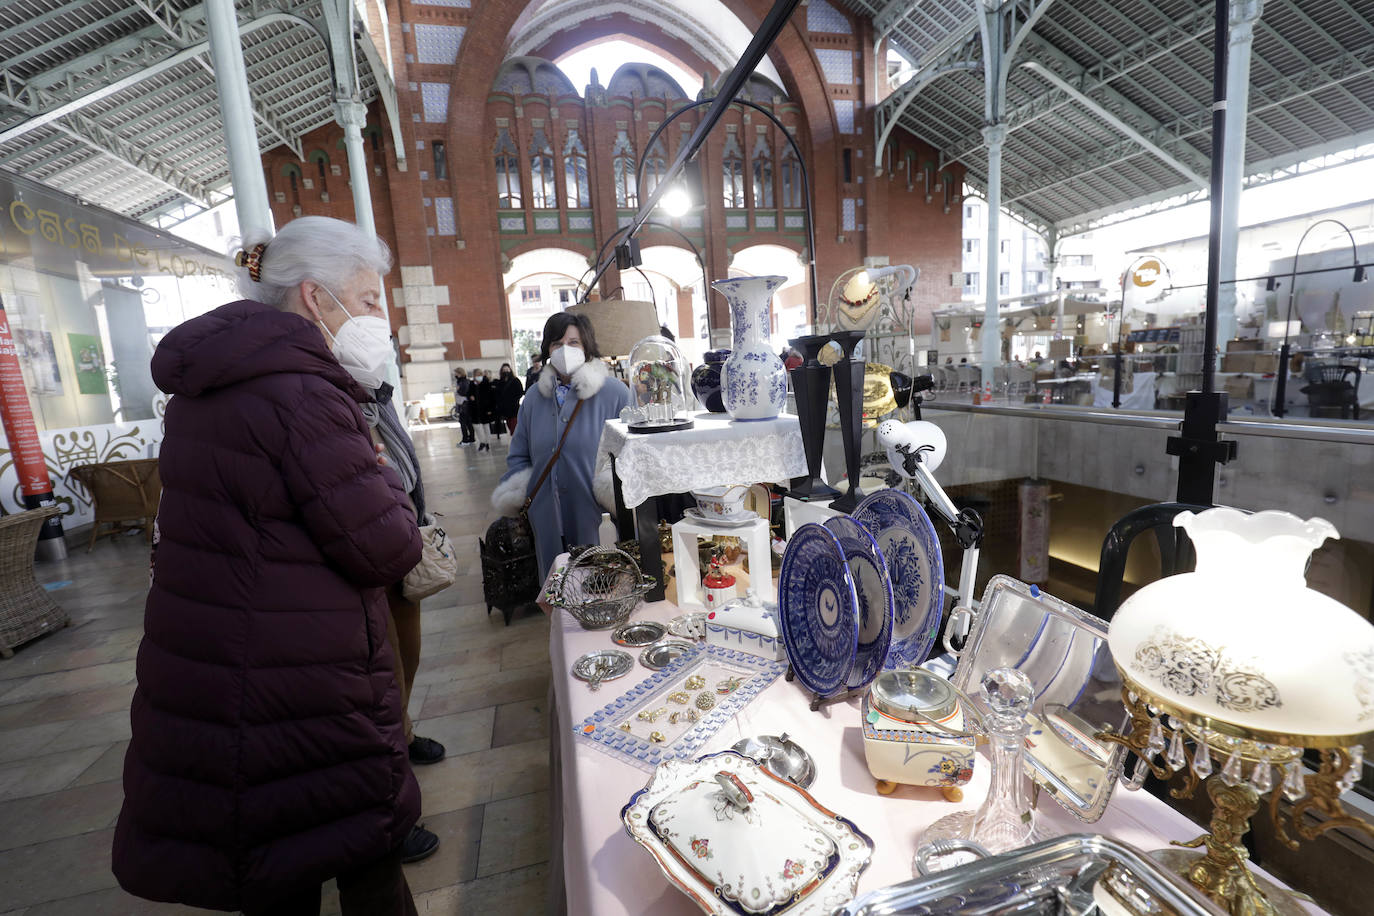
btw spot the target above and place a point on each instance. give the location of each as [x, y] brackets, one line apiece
[716, 450]
[607, 874]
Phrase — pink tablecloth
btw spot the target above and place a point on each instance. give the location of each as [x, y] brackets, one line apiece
[607, 874]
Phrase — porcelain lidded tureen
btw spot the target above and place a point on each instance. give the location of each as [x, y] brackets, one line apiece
[1243, 641]
[739, 840]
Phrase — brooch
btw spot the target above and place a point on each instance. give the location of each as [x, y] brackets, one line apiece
[645, 715]
[680, 696]
[696, 682]
[705, 701]
[625, 727]
[729, 685]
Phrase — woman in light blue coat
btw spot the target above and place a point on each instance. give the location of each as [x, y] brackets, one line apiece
[567, 509]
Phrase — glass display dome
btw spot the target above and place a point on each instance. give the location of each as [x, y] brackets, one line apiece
[658, 384]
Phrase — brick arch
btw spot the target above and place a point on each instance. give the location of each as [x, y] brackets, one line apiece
[552, 241]
[482, 55]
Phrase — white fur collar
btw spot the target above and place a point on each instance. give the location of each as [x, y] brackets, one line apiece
[586, 381]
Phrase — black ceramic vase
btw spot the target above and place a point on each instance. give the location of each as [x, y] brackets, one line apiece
[849, 392]
[811, 388]
[706, 380]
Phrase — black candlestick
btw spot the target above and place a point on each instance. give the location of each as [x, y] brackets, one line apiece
[811, 387]
[849, 391]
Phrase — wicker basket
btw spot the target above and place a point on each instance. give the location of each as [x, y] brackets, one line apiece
[600, 587]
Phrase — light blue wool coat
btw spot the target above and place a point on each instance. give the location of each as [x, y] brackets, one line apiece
[566, 507]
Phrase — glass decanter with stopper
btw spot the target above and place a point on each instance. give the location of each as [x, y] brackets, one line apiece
[1005, 820]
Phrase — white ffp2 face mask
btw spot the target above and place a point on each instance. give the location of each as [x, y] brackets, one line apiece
[567, 359]
[362, 346]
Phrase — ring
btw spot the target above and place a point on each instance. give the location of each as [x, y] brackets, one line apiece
[656, 738]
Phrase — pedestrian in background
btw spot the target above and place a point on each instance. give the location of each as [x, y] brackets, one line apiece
[509, 391]
[462, 395]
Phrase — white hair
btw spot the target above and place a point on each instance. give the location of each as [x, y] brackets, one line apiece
[319, 248]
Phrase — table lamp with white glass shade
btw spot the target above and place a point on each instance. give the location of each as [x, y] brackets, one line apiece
[1251, 667]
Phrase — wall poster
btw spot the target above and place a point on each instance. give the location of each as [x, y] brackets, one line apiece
[90, 363]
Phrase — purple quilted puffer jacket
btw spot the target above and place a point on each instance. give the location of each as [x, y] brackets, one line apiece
[267, 750]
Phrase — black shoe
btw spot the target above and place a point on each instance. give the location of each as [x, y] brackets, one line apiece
[484, 447]
[419, 845]
[425, 750]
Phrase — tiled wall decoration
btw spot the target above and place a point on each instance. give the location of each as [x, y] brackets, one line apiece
[438, 44]
[443, 216]
[844, 115]
[822, 17]
[837, 65]
[435, 99]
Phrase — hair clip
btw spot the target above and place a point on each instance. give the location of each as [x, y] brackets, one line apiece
[252, 259]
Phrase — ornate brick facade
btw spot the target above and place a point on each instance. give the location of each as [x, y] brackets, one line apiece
[458, 87]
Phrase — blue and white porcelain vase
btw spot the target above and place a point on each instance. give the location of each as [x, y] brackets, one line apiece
[753, 380]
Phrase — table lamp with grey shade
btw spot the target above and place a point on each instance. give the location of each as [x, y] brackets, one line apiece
[619, 324]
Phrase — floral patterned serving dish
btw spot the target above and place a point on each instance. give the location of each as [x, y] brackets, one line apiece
[781, 852]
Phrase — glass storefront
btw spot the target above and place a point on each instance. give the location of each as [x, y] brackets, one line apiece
[88, 294]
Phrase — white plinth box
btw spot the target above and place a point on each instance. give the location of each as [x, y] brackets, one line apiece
[753, 538]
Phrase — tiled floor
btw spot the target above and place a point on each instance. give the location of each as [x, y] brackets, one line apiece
[481, 690]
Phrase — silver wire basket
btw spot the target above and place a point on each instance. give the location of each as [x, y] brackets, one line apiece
[600, 587]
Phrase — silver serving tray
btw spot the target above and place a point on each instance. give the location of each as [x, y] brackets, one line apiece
[639, 633]
[1063, 650]
[602, 665]
[1075, 875]
[662, 654]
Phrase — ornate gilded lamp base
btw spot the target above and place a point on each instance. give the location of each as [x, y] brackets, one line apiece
[1221, 870]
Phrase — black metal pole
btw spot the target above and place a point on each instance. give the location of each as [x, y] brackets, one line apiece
[1198, 449]
[1281, 384]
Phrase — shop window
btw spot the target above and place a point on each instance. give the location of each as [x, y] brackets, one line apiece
[732, 164]
[440, 161]
[507, 172]
[543, 187]
[763, 175]
[576, 186]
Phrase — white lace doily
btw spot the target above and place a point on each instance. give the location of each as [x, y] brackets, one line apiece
[717, 450]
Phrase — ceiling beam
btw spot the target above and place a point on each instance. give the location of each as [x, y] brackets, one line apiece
[96, 135]
[56, 93]
[1090, 80]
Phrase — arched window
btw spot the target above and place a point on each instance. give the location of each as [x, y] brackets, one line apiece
[623, 167]
[576, 186]
[655, 167]
[763, 175]
[321, 160]
[293, 181]
[543, 187]
[732, 162]
[791, 176]
[507, 172]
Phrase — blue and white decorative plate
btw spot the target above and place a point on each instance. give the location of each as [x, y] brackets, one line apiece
[868, 569]
[915, 568]
[819, 609]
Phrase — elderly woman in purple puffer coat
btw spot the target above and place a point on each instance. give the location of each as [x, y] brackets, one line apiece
[268, 753]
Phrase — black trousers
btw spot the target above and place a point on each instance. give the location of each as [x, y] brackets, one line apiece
[378, 889]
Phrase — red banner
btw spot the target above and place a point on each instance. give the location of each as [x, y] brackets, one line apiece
[25, 449]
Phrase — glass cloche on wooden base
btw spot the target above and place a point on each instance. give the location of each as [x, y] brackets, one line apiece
[658, 381]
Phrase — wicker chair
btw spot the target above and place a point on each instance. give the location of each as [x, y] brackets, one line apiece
[124, 494]
[26, 609]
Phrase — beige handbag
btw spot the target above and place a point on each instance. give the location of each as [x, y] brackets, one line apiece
[438, 566]
[437, 569]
